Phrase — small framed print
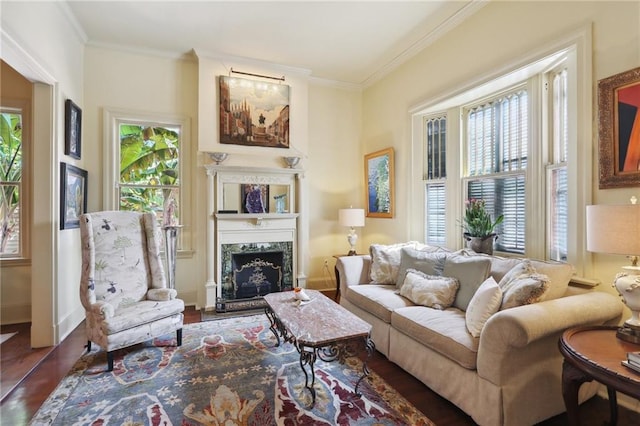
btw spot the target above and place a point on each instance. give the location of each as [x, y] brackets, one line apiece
[378, 178]
[73, 129]
[73, 195]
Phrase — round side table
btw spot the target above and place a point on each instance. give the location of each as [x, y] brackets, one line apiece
[595, 353]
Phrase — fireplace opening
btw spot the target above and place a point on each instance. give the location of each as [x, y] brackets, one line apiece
[256, 274]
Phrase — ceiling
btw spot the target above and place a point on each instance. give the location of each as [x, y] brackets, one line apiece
[352, 42]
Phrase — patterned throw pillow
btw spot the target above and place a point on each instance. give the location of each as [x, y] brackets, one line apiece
[385, 260]
[429, 290]
[484, 303]
[523, 286]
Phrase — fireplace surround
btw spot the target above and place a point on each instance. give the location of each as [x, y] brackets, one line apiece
[251, 254]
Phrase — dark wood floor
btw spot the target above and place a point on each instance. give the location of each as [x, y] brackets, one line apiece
[23, 401]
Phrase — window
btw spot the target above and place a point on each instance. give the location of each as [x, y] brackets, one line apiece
[149, 168]
[435, 129]
[513, 141]
[146, 169]
[11, 184]
[497, 152]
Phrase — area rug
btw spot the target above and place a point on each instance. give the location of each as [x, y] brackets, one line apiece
[6, 336]
[227, 372]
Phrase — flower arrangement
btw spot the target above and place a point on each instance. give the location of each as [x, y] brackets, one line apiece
[477, 220]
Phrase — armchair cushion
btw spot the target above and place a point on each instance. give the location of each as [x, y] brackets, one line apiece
[140, 313]
[162, 294]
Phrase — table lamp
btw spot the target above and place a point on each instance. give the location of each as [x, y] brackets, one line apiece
[351, 218]
[615, 229]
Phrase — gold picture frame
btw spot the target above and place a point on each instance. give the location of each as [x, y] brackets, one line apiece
[379, 183]
[619, 130]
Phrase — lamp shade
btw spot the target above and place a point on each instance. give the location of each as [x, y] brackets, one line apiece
[351, 217]
[614, 229]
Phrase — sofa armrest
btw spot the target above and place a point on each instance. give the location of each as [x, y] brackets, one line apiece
[526, 334]
[353, 270]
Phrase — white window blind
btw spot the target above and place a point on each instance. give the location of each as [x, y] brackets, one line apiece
[435, 173]
[557, 171]
[497, 150]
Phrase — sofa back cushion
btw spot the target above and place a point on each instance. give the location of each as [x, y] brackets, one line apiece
[429, 262]
[385, 260]
[470, 271]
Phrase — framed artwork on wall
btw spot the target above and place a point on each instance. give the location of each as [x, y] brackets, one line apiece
[619, 130]
[253, 113]
[379, 185]
[73, 195]
[72, 129]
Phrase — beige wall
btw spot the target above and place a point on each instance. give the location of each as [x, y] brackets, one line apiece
[41, 45]
[508, 32]
[15, 279]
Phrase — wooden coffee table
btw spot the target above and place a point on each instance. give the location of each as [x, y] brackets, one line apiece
[595, 353]
[319, 328]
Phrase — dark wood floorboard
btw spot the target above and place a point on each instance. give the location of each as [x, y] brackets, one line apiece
[22, 403]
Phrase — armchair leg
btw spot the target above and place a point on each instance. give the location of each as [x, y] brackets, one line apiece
[110, 361]
[88, 346]
[179, 337]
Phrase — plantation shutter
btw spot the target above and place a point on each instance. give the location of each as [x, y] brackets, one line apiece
[497, 146]
[435, 173]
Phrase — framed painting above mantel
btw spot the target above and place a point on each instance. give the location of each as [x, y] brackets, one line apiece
[619, 130]
[253, 113]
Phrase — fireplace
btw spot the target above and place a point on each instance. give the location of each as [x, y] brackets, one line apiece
[251, 270]
[256, 274]
[252, 254]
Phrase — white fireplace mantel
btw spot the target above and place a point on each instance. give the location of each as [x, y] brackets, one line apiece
[227, 224]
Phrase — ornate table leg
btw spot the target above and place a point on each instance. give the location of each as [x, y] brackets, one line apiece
[308, 357]
[275, 324]
[370, 347]
[572, 379]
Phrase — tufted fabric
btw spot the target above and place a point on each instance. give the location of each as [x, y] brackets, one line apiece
[123, 286]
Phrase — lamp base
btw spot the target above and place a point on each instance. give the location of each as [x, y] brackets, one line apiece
[628, 334]
[351, 253]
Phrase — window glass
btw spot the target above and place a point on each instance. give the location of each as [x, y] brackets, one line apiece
[149, 166]
[10, 183]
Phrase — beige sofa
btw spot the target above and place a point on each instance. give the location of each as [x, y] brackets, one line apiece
[511, 373]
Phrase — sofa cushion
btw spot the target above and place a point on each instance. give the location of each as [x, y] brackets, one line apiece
[378, 300]
[559, 275]
[442, 331]
[483, 304]
[385, 260]
[429, 262]
[470, 273]
[523, 285]
[429, 290]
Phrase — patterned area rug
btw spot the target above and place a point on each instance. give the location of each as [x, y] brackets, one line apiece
[227, 372]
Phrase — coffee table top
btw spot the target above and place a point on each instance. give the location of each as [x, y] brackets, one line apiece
[318, 322]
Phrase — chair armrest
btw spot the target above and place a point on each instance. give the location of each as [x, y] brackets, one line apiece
[161, 294]
[103, 309]
[531, 332]
[353, 270]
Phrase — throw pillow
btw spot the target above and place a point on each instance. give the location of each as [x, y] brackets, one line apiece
[429, 262]
[523, 285]
[385, 260]
[429, 290]
[484, 303]
[470, 273]
[524, 290]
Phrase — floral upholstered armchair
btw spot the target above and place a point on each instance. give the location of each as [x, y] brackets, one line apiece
[123, 286]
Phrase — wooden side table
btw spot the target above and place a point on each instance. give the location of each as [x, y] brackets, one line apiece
[336, 298]
[594, 353]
